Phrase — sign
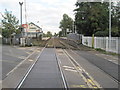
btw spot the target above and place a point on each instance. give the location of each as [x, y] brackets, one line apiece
[25, 25]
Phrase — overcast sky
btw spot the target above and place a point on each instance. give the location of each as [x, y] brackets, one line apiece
[45, 13]
[48, 12]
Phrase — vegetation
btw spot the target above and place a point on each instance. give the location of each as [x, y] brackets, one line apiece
[105, 52]
[9, 25]
[60, 33]
[66, 24]
[48, 34]
[93, 18]
[55, 34]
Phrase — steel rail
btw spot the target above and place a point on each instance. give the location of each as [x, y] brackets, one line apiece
[59, 66]
[112, 77]
[86, 77]
[90, 81]
[29, 70]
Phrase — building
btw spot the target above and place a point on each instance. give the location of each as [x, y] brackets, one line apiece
[32, 30]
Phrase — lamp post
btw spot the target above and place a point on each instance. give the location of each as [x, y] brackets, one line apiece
[21, 3]
[109, 24]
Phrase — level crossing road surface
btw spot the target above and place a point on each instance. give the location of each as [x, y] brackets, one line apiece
[103, 78]
[45, 73]
[67, 68]
[12, 56]
[107, 66]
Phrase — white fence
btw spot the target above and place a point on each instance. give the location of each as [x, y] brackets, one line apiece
[74, 36]
[103, 43]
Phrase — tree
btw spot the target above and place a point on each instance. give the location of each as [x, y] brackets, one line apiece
[91, 17]
[116, 19]
[49, 34]
[60, 33]
[66, 24]
[55, 34]
[9, 25]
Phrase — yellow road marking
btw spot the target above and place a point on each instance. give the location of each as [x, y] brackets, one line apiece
[89, 80]
[68, 67]
[78, 86]
[28, 52]
[30, 60]
[95, 87]
[70, 70]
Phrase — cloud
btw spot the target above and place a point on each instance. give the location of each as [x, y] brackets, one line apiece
[48, 12]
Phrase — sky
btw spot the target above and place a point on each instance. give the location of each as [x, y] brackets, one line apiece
[45, 13]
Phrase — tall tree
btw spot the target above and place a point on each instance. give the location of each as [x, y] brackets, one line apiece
[49, 34]
[66, 24]
[9, 24]
[117, 18]
[91, 17]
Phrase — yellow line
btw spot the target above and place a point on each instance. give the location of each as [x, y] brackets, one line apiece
[89, 80]
[78, 86]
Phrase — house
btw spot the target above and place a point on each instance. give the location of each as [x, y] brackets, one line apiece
[32, 30]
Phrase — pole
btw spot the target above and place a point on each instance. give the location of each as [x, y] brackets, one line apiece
[25, 12]
[109, 24]
[21, 16]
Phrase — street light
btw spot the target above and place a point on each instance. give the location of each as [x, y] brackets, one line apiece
[21, 3]
[109, 24]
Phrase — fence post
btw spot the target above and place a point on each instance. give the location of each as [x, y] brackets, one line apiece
[107, 47]
[93, 41]
[82, 39]
[117, 45]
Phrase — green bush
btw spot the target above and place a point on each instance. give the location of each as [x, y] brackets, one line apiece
[102, 33]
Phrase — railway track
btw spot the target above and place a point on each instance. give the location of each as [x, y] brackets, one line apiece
[89, 80]
[65, 87]
[116, 79]
[91, 83]
[27, 73]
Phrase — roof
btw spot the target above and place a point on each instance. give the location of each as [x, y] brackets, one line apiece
[35, 25]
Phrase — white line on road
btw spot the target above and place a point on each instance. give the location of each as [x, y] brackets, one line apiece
[20, 63]
[26, 74]
[90, 81]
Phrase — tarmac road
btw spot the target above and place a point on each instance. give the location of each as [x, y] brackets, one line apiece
[98, 68]
[12, 56]
[46, 72]
[107, 66]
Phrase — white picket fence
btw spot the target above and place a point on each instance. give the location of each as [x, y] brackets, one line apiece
[103, 43]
